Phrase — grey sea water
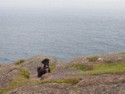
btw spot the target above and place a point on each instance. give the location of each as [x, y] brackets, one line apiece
[62, 34]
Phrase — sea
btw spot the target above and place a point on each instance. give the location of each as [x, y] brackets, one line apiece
[63, 34]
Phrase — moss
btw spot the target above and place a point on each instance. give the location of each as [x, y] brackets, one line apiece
[71, 81]
[24, 73]
[78, 66]
[105, 68]
[93, 58]
[19, 62]
[15, 83]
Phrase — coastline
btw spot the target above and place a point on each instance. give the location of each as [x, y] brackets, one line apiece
[86, 74]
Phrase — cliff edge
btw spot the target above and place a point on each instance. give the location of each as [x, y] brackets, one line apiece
[81, 75]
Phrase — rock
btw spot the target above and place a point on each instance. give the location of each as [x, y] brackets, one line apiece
[89, 84]
[100, 59]
[34, 62]
[79, 60]
[114, 58]
[43, 89]
[7, 73]
[105, 79]
[69, 89]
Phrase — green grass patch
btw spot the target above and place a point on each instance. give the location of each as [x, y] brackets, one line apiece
[71, 81]
[25, 73]
[15, 83]
[52, 67]
[78, 66]
[93, 58]
[122, 52]
[19, 62]
[105, 68]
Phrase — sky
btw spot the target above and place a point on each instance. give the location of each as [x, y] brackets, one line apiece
[64, 4]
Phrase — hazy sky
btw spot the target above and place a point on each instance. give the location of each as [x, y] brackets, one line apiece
[85, 4]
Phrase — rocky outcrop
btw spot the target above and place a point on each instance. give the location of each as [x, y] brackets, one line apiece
[68, 89]
[88, 60]
[7, 73]
[114, 58]
[34, 62]
[64, 79]
[11, 71]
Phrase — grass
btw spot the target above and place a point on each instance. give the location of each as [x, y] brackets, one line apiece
[24, 73]
[52, 67]
[122, 52]
[78, 66]
[105, 68]
[19, 62]
[16, 82]
[71, 81]
[93, 58]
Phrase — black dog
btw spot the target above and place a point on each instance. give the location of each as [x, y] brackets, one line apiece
[44, 69]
